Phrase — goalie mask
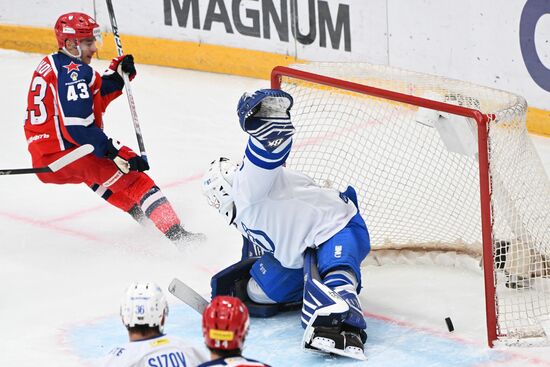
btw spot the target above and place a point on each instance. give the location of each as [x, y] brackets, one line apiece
[216, 186]
[144, 304]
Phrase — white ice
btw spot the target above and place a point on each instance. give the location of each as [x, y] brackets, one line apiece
[66, 256]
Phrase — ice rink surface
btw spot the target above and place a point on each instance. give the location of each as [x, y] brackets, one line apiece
[66, 256]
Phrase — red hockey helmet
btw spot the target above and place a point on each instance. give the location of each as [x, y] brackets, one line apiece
[225, 323]
[75, 26]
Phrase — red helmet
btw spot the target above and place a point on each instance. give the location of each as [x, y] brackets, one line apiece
[225, 323]
[75, 26]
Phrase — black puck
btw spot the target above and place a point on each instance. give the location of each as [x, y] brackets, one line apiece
[449, 323]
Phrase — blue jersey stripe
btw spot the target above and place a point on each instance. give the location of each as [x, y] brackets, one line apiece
[277, 154]
[263, 163]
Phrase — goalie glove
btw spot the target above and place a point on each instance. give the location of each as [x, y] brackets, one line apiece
[125, 158]
[265, 115]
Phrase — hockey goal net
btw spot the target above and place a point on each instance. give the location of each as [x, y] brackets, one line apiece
[439, 165]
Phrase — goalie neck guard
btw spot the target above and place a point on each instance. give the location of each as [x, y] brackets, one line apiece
[225, 323]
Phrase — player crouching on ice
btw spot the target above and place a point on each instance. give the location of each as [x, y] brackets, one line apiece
[293, 230]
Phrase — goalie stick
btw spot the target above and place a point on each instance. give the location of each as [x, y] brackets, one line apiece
[187, 295]
[129, 94]
[55, 166]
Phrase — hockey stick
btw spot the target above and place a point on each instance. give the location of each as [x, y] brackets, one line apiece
[55, 166]
[187, 295]
[129, 94]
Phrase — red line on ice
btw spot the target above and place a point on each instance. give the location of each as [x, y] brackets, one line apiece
[80, 212]
[408, 325]
[47, 224]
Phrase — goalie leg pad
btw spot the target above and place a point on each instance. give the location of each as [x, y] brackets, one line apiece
[322, 306]
[346, 249]
[344, 283]
[325, 329]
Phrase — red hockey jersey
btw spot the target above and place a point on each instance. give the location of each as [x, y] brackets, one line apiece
[65, 104]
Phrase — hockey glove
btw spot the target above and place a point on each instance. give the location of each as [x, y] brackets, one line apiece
[124, 63]
[265, 115]
[125, 158]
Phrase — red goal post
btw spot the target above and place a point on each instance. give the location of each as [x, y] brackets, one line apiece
[340, 106]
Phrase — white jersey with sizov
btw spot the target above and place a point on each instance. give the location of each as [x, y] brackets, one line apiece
[161, 351]
[282, 210]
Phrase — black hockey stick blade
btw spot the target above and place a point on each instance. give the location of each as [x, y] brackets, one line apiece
[55, 166]
[187, 295]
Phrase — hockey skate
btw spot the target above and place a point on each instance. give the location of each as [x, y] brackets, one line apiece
[182, 238]
[323, 334]
[335, 340]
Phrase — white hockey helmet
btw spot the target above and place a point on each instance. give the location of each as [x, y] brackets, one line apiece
[216, 186]
[144, 304]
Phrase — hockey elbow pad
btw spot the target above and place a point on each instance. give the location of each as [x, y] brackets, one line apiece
[265, 115]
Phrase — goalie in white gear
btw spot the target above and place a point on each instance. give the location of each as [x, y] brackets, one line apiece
[281, 213]
[143, 311]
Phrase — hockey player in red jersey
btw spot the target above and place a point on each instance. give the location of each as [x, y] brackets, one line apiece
[224, 327]
[66, 102]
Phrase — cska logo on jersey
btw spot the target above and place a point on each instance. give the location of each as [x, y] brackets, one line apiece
[72, 66]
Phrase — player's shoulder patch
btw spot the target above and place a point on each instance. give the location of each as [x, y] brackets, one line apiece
[159, 342]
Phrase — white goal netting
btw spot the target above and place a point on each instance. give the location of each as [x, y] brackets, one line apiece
[417, 175]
